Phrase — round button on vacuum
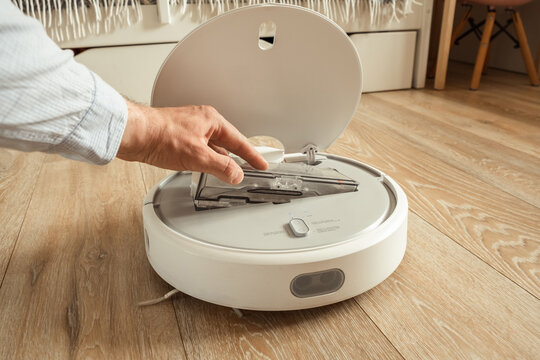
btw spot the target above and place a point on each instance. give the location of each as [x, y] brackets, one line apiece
[299, 227]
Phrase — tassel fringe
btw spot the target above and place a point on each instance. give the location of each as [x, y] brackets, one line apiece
[66, 20]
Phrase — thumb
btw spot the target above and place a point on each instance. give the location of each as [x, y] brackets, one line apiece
[221, 166]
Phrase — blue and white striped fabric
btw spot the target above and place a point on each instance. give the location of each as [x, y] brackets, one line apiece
[48, 101]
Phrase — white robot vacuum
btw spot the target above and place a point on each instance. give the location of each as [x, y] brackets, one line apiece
[315, 228]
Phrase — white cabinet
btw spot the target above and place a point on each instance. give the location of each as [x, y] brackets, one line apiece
[387, 63]
[387, 59]
[131, 70]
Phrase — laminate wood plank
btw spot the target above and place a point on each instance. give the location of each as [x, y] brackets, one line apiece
[513, 107]
[504, 112]
[340, 331]
[79, 269]
[513, 171]
[511, 85]
[443, 302]
[18, 175]
[500, 102]
[481, 121]
[504, 94]
[494, 225]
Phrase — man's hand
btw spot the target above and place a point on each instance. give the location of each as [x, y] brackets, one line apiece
[186, 138]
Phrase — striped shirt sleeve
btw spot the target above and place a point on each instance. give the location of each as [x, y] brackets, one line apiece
[48, 101]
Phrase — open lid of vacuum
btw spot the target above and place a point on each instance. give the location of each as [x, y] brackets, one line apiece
[302, 89]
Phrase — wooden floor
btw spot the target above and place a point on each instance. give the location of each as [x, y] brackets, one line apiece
[72, 262]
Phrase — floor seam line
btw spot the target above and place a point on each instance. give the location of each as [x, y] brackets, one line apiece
[475, 255]
[417, 146]
[378, 328]
[22, 222]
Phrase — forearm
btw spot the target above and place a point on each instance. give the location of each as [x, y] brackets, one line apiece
[49, 102]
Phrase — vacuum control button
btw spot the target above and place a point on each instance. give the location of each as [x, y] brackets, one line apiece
[298, 227]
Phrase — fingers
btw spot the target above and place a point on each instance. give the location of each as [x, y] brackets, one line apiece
[190, 138]
[218, 149]
[228, 137]
[221, 166]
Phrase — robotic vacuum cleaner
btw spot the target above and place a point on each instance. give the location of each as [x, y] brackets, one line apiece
[314, 228]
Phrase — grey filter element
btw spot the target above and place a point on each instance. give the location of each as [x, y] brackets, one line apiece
[281, 183]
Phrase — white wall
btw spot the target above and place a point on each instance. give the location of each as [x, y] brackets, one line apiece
[503, 55]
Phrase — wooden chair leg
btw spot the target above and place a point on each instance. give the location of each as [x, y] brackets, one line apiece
[444, 44]
[455, 34]
[434, 37]
[482, 50]
[537, 61]
[461, 25]
[525, 50]
[486, 62]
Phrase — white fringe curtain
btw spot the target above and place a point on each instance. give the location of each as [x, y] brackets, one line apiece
[75, 19]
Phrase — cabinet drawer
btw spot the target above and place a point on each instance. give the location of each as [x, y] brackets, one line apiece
[387, 63]
[131, 70]
[387, 59]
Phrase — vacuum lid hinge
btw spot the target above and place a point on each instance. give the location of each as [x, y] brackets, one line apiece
[310, 150]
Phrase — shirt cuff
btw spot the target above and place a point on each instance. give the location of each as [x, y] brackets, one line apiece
[97, 137]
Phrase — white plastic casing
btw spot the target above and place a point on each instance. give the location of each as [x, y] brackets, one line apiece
[261, 280]
[303, 91]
